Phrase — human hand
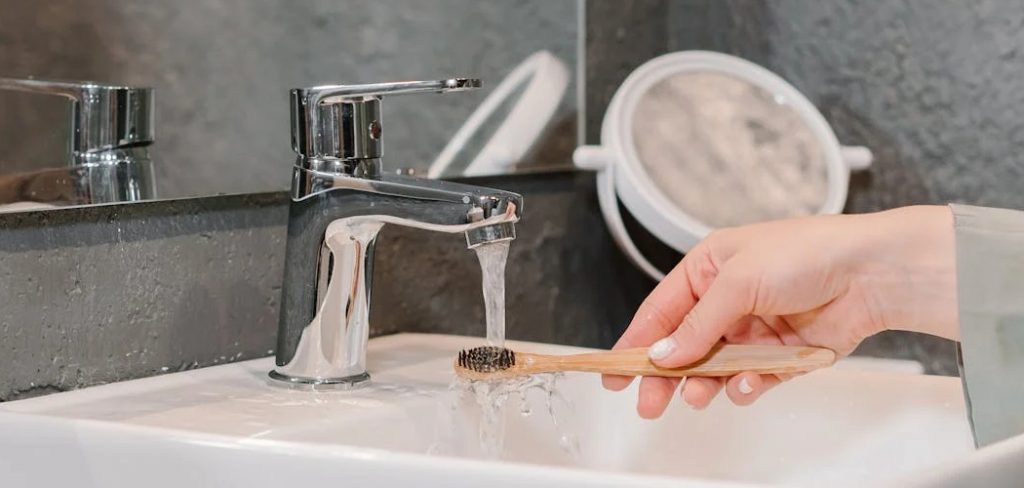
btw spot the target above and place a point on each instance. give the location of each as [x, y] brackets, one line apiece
[826, 281]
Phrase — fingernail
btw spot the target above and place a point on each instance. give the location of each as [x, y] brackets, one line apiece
[662, 348]
[745, 387]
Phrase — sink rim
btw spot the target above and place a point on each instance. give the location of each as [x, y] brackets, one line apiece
[347, 452]
[33, 409]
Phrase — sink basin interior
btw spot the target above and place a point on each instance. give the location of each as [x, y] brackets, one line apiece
[843, 424]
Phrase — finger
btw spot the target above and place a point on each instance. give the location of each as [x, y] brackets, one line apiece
[698, 392]
[658, 315]
[729, 298]
[753, 329]
[664, 308]
[655, 395]
[787, 376]
[662, 311]
[745, 388]
[615, 382]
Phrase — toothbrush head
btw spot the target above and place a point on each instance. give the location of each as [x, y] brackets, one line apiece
[484, 359]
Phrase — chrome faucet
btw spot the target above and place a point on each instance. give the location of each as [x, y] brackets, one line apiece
[341, 197]
[111, 130]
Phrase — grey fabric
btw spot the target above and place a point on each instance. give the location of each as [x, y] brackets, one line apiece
[990, 282]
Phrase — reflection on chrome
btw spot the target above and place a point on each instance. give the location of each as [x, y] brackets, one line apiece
[111, 131]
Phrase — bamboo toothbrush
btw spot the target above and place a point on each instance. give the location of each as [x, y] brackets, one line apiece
[489, 362]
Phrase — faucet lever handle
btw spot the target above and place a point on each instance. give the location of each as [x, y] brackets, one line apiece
[326, 94]
[343, 121]
[104, 116]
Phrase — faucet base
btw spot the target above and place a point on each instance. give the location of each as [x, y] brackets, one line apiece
[319, 384]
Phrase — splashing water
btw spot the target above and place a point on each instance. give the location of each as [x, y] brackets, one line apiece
[490, 398]
[492, 268]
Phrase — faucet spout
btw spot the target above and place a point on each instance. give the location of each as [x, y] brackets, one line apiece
[490, 229]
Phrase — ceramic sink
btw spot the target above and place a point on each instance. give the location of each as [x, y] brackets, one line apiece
[861, 422]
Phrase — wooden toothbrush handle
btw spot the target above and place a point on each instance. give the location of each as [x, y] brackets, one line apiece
[723, 360]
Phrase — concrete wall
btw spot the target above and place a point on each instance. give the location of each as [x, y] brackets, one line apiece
[94, 295]
[222, 70]
[930, 87]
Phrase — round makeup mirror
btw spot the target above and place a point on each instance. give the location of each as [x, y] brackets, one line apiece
[695, 140]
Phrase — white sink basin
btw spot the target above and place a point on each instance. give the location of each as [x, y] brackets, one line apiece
[229, 426]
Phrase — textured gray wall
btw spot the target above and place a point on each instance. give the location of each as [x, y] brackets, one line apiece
[931, 87]
[620, 35]
[222, 69]
[101, 294]
[93, 295]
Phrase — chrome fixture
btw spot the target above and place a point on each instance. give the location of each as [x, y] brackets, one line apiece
[340, 200]
[111, 130]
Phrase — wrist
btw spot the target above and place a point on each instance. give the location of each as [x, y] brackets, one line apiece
[908, 269]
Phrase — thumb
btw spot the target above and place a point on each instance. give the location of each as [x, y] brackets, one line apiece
[729, 298]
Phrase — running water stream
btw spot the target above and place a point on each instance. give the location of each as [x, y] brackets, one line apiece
[492, 268]
[491, 396]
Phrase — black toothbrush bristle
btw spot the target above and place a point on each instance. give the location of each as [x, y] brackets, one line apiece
[487, 359]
